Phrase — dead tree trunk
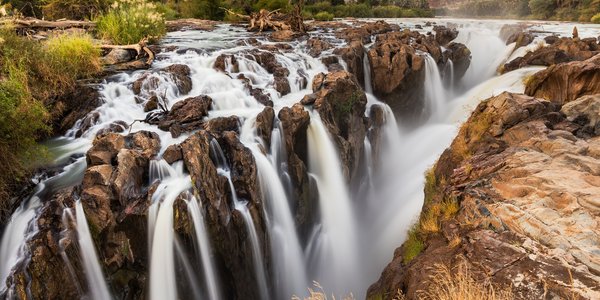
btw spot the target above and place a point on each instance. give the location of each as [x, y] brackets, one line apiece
[265, 20]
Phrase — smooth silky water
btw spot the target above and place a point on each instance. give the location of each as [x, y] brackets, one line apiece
[357, 233]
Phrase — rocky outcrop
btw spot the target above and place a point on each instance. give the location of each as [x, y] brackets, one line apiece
[444, 35]
[149, 82]
[566, 82]
[268, 61]
[317, 46]
[559, 51]
[353, 55]
[341, 103]
[513, 200]
[186, 115]
[66, 110]
[461, 58]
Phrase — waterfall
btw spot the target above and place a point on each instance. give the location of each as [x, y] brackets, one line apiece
[434, 89]
[450, 73]
[259, 266]
[203, 242]
[163, 281]
[340, 264]
[91, 264]
[367, 71]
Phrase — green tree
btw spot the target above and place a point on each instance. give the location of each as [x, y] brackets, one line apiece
[542, 8]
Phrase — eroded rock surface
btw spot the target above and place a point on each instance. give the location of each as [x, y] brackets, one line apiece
[526, 183]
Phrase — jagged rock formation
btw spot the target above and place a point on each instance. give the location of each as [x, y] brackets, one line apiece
[513, 197]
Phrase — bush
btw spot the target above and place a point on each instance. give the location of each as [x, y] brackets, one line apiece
[542, 8]
[283, 5]
[130, 21]
[324, 16]
[201, 9]
[389, 11]
[353, 10]
[74, 9]
[596, 19]
[74, 55]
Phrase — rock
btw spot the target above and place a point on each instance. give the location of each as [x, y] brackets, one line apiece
[148, 143]
[268, 61]
[551, 39]
[117, 56]
[186, 115]
[353, 55]
[151, 104]
[461, 58]
[341, 103]
[129, 177]
[225, 225]
[363, 33]
[66, 110]
[585, 111]
[521, 39]
[227, 63]
[172, 154]
[317, 46]
[104, 149]
[566, 82]
[397, 75]
[284, 35]
[116, 127]
[510, 30]
[561, 50]
[149, 81]
[264, 125]
[518, 181]
[222, 124]
[258, 94]
[444, 35]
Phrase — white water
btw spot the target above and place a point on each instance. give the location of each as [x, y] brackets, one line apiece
[435, 99]
[348, 247]
[338, 253]
[93, 271]
[203, 241]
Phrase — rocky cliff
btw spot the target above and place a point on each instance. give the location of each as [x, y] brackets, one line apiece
[514, 199]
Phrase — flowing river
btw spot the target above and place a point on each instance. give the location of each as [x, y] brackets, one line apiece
[356, 232]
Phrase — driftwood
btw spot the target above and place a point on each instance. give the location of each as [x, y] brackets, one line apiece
[37, 24]
[273, 20]
[144, 58]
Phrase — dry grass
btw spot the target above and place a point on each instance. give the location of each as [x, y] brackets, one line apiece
[318, 293]
[454, 242]
[458, 284]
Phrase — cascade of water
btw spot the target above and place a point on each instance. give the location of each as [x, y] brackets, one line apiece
[450, 72]
[367, 71]
[340, 268]
[93, 271]
[163, 283]
[259, 267]
[203, 242]
[434, 89]
[69, 224]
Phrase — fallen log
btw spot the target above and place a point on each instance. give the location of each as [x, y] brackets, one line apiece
[33, 23]
[265, 20]
[144, 56]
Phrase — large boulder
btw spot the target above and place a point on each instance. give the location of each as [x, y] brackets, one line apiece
[186, 115]
[397, 74]
[341, 103]
[267, 60]
[461, 58]
[353, 55]
[444, 35]
[178, 74]
[566, 82]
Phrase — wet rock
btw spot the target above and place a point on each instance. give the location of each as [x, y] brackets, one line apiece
[148, 143]
[151, 104]
[258, 93]
[186, 115]
[353, 55]
[444, 35]
[284, 35]
[87, 122]
[341, 103]
[584, 111]
[264, 125]
[461, 58]
[510, 30]
[268, 61]
[66, 110]
[521, 39]
[104, 149]
[560, 51]
[226, 226]
[149, 82]
[364, 32]
[129, 177]
[227, 63]
[116, 127]
[397, 74]
[551, 39]
[317, 46]
[566, 82]
[173, 154]
[222, 124]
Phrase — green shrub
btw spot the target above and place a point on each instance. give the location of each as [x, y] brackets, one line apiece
[130, 21]
[73, 55]
[324, 16]
[201, 9]
[389, 11]
[319, 7]
[542, 8]
[74, 9]
[413, 245]
[596, 19]
[361, 10]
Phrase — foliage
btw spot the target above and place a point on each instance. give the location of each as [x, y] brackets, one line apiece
[452, 284]
[130, 21]
[324, 16]
[32, 74]
[202, 9]
[542, 8]
[282, 5]
[73, 55]
[74, 9]
[596, 18]
[413, 245]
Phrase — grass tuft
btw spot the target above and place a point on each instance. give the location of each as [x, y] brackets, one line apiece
[131, 21]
